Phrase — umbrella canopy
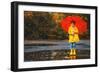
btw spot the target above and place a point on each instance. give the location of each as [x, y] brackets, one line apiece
[80, 23]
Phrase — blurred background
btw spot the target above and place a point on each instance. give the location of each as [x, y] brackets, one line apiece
[47, 25]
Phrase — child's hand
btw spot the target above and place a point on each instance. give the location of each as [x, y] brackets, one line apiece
[72, 33]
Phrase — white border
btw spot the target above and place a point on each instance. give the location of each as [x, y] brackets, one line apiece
[22, 64]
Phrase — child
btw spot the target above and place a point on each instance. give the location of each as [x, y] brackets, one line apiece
[73, 37]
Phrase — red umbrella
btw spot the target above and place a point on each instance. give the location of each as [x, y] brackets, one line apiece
[80, 23]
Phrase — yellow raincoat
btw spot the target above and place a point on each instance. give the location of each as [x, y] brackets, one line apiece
[73, 34]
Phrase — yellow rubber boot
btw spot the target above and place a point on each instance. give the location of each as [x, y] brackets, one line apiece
[71, 52]
[74, 51]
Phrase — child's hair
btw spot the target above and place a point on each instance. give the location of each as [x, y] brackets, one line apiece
[73, 22]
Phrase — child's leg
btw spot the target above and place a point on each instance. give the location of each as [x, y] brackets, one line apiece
[74, 48]
[74, 45]
[71, 45]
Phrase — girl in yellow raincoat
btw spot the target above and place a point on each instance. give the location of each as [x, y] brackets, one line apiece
[73, 37]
